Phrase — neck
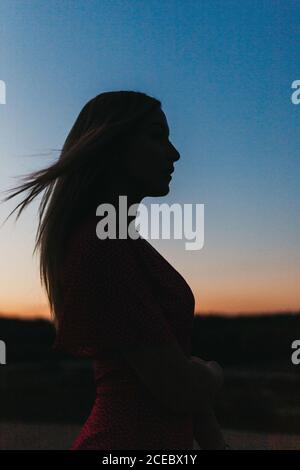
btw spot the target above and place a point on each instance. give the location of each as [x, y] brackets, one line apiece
[122, 202]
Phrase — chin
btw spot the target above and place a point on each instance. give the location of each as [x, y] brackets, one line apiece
[163, 190]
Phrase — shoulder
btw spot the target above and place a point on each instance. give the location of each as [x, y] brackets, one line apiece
[86, 251]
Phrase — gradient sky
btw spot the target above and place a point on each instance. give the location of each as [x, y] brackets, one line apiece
[223, 72]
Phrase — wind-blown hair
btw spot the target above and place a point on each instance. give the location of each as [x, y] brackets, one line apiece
[76, 183]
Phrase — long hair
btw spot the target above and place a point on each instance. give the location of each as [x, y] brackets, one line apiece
[72, 184]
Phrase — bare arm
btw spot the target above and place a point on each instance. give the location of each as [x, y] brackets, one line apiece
[182, 385]
[207, 431]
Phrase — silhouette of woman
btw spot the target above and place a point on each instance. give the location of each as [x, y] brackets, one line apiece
[118, 301]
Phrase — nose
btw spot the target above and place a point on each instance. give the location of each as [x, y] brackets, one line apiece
[175, 155]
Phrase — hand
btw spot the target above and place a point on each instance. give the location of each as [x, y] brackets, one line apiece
[207, 432]
[215, 370]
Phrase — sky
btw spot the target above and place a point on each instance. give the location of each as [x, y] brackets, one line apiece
[223, 72]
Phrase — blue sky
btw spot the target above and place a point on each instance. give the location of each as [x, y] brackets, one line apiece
[223, 71]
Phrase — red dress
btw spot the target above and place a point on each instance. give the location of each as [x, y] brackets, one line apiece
[119, 294]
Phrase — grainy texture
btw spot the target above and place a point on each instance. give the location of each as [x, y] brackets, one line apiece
[24, 436]
[123, 294]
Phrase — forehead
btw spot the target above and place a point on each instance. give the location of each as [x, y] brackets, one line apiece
[157, 117]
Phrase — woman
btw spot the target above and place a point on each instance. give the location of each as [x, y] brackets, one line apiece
[118, 301]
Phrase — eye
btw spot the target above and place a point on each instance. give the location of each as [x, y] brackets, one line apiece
[159, 135]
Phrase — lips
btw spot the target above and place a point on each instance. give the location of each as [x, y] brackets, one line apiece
[168, 176]
[170, 170]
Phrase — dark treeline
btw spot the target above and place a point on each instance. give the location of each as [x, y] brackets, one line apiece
[247, 340]
[261, 390]
[232, 341]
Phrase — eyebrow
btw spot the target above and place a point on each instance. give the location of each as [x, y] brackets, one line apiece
[161, 125]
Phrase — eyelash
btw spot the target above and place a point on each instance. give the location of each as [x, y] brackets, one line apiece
[159, 135]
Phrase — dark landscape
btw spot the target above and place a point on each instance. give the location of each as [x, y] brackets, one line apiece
[40, 387]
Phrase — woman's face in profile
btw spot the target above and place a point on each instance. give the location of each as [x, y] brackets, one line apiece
[151, 157]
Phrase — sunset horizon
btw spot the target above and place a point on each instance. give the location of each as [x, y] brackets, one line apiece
[233, 122]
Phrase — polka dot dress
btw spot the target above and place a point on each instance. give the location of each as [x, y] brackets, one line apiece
[121, 294]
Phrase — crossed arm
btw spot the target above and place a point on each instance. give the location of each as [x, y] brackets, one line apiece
[207, 431]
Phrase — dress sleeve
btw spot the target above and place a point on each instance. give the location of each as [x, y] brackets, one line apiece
[108, 302]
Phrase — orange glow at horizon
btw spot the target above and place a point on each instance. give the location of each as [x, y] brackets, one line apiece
[221, 283]
[207, 301]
